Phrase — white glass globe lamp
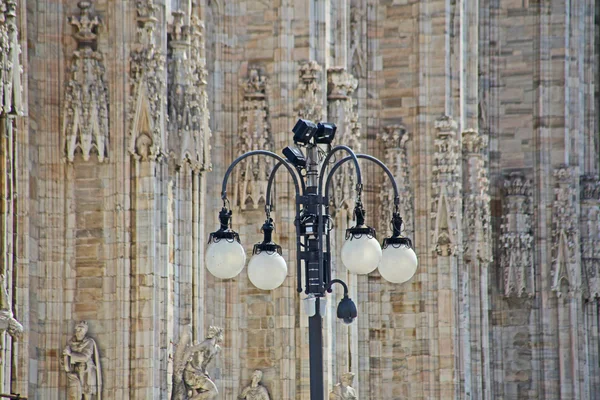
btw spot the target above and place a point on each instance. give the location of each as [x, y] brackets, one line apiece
[267, 269]
[225, 256]
[361, 253]
[399, 262]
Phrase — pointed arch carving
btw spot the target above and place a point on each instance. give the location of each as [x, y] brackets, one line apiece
[395, 140]
[250, 190]
[516, 240]
[85, 117]
[446, 184]
[189, 132]
[589, 226]
[146, 104]
[565, 230]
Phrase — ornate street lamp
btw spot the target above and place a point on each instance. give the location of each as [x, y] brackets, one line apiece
[361, 253]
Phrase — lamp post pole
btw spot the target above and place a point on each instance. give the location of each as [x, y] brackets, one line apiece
[361, 254]
[315, 274]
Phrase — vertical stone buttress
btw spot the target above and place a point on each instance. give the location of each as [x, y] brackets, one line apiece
[343, 342]
[147, 145]
[90, 274]
[589, 228]
[446, 226]
[189, 159]
[398, 309]
[567, 281]
[14, 189]
[477, 248]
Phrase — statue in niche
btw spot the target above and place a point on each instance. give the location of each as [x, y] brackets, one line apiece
[82, 364]
[255, 391]
[343, 390]
[190, 377]
[8, 322]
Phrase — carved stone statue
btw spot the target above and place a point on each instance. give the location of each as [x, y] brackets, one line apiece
[190, 378]
[7, 320]
[255, 391]
[82, 364]
[343, 390]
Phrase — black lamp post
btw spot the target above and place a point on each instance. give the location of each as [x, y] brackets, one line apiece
[361, 254]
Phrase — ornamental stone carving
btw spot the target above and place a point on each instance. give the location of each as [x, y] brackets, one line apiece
[255, 391]
[344, 390]
[516, 239]
[190, 376]
[85, 118]
[476, 198]
[357, 54]
[10, 65]
[81, 362]
[189, 132]
[340, 86]
[147, 85]
[310, 94]
[250, 190]
[446, 187]
[589, 228]
[565, 236]
[395, 139]
[7, 321]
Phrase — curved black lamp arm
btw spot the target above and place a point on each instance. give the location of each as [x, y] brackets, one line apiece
[369, 158]
[330, 284]
[258, 153]
[272, 179]
[352, 156]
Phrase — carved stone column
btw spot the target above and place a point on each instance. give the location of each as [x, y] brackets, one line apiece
[567, 279]
[11, 108]
[477, 244]
[189, 156]
[10, 64]
[589, 228]
[446, 207]
[149, 199]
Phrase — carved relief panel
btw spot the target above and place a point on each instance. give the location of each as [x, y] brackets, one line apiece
[85, 118]
[250, 190]
[565, 231]
[395, 140]
[516, 240]
[146, 104]
[589, 227]
[446, 187]
[340, 86]
[310, 94]
[476, 198]
[10, 65]
[189, 132]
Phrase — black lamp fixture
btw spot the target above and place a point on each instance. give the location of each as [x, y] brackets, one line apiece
[311, 173]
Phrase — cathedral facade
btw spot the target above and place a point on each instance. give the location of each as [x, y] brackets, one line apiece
[118, 120]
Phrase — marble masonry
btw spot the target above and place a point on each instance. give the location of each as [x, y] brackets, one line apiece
[119, 118]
